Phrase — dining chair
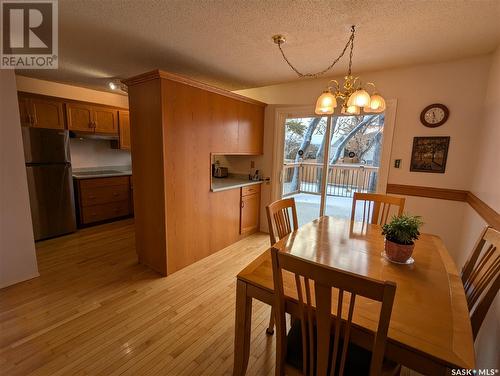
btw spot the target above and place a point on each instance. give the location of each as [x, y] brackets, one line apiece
[314, 345]
[279, 215]
[481, 276]
[376, 207]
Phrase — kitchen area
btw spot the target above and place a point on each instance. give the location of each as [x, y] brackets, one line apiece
[78, 163]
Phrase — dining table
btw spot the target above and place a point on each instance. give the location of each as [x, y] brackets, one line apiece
[429, 331]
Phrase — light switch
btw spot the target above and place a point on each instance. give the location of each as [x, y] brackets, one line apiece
[397, 163]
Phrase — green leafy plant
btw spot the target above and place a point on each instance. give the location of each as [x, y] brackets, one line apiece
[403, 229]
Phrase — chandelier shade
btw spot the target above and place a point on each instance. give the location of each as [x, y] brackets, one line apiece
[377, 103]
[326, 103]
[359, 98]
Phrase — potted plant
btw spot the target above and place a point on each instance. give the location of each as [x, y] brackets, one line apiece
[400, 235]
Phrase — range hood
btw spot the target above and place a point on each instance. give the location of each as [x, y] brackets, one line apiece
[93, 136]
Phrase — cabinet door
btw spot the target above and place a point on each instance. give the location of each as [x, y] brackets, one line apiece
[80, 117]
[249, 214]
[25, 111]
[105, 120]
[250, 128]
[124, 122]
[47, 113]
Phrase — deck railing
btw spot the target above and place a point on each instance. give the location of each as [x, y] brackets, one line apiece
[343, 179]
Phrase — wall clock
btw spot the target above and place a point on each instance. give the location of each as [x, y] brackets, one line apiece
[434, 115]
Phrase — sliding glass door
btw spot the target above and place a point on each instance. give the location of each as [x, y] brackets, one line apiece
[327, 159]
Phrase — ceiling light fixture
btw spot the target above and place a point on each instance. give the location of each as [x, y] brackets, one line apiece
[354, 96]
[117, 85]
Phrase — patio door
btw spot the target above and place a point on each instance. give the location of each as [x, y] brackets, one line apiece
[327, 159]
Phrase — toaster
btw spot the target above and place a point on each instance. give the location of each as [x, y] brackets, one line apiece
[221, 172]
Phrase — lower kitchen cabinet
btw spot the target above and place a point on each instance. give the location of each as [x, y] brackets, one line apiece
[249, 209]
[103, 199]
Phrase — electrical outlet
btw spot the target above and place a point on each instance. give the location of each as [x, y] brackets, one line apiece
[397, 163]
[252, 164]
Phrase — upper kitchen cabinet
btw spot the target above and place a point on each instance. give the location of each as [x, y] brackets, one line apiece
[124, 126]
[250, 128]
[105, 120]
[90, 118]
[79, 117]
[41, 112]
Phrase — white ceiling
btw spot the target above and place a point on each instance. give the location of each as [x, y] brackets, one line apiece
[228, 42]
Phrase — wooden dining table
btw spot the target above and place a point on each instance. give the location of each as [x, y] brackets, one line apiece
[430, 330]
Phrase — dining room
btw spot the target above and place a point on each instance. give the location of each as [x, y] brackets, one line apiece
[311, 194]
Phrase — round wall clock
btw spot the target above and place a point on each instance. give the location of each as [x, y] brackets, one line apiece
[434, 115]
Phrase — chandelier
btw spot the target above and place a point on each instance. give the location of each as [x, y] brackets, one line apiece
[353, 94]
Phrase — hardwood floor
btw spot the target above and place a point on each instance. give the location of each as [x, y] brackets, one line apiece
[95, 311]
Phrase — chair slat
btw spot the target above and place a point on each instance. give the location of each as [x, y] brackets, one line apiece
[378, 208]
[481, 276]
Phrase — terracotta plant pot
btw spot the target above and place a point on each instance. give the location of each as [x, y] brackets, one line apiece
[398, 252]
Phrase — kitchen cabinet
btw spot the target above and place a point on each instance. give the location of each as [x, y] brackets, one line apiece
[249, 209]
[124, 127]
[90, 118]
[250, 128]
[79, 117]
[41, 112]
[176, 124]
[102, 199]
[105, 120]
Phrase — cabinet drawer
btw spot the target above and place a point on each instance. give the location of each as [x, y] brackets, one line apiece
[250, 190]
[102, 212]
[103, 182]
[104, 194]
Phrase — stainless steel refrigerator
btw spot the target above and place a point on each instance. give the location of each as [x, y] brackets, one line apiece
[50, 184]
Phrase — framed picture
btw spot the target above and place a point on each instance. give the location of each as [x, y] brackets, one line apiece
[429, 154]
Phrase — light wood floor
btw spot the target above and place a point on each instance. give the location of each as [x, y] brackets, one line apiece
[95, 311]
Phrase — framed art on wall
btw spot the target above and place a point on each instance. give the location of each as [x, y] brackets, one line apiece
[429, 154]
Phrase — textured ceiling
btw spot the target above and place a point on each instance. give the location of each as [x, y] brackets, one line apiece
[228, 42]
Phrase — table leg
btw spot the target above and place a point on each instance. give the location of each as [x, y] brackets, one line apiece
[242, 329]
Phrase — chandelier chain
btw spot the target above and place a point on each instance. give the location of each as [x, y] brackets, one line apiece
[350, 43]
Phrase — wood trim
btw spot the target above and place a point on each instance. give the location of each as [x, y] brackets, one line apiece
[66, 100]
[486, 212]
[155, 74]
[429, 192]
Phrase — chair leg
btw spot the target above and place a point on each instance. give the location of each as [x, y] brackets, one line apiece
[270, 329]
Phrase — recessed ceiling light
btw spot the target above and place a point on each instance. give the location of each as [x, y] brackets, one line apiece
[112, 85]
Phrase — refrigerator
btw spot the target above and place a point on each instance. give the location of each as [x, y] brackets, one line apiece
[50, 182]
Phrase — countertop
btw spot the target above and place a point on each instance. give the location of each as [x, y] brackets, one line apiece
[101, 172]
[231, 182]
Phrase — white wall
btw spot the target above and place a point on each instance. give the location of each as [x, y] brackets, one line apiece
[470, 88]
[17, 246]
[485, 184]
[97, 153]
[56, 89]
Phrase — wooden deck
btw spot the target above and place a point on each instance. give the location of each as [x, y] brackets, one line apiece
[95, 311]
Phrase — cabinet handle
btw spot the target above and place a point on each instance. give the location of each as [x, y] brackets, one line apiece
[242, 204]
[95, 124]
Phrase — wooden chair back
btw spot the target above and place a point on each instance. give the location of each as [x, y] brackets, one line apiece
[314, 284]
[376, 207]
[481, 276]
[278, 218]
